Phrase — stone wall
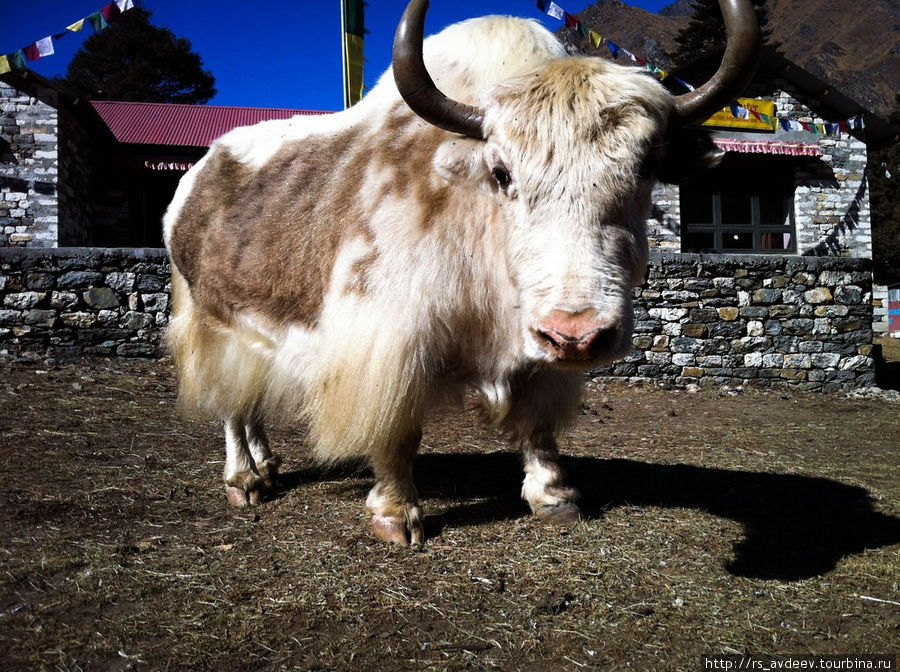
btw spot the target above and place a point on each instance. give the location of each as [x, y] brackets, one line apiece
[68, 302]
[733, 320]
[703, 319]
[28, 170]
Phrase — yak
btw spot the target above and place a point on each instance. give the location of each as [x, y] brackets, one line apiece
[476, 222]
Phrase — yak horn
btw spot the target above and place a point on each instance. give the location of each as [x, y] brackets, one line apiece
[417, 87]
[736, 70]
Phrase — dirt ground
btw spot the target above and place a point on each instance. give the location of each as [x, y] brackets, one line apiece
[719, 522]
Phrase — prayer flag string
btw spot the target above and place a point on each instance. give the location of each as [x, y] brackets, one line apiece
[18, 59]
[737, 110]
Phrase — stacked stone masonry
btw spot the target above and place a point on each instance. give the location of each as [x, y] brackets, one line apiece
[28, 171]
[65, 303]
[703, 319]
[733, 320]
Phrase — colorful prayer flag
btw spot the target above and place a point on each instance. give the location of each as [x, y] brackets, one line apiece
[97, 20]
[17, 59]
[596, 39]
[76, 27]
[4, 64]
[556, 11]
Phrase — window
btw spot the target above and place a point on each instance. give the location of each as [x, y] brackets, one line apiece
[744, 206]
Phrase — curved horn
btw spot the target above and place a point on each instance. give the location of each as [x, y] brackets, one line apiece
[417, 87]
[737, 67]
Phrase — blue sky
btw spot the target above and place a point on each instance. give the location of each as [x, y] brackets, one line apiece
[265, 53]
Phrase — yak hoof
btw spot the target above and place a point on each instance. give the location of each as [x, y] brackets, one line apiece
[405, 531]
[236, 496]
[268, 473]
[247, 489]
[563, 513]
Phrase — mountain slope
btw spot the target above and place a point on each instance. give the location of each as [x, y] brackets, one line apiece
[855, 48]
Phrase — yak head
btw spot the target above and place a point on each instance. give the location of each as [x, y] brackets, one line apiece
[570, 151]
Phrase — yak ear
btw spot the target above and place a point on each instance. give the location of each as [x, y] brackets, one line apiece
[460, 160]
[689, 151]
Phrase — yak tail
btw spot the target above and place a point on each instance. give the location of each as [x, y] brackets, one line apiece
[221, 371]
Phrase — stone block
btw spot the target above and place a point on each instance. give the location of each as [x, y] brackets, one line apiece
[79, 279]
[63, 300]
[10, 317]
[79, 320]
[121, 282]
[23, 300]
[797, 361]
[40, 281]
[848, 295]
[101, 298]
[693, 330]
[155, 302]
[818, 295]
[39, 318]
[136, 350]
[825, 360]
[766, 296]
[134, 320]
[729, 314]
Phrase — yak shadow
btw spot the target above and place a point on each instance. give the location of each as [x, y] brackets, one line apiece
[795, 527]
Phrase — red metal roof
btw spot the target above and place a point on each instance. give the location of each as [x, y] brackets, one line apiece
[182, 125]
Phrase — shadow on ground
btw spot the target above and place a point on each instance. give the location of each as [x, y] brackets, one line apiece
[795, 527]
[887, 373]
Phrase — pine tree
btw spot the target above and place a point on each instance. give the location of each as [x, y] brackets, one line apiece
[884, 186]
[133, 60]
[706, 31]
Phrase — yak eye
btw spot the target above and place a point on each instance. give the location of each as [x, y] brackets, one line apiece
[501, 176]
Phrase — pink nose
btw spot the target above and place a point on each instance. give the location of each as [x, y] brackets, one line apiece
[578, 336]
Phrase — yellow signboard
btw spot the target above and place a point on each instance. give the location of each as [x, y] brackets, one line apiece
[760, 116]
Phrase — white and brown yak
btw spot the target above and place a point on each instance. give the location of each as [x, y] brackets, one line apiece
[477, 221]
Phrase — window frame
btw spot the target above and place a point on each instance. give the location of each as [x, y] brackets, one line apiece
[753, 175]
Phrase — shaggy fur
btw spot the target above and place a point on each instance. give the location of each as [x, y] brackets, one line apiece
[359, 268]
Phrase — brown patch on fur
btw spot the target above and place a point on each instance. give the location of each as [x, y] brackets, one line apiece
[359, 273]
[265, 240]
[409, 152]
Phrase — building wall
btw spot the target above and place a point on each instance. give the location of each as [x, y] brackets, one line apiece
[29, 170]
[831, 198]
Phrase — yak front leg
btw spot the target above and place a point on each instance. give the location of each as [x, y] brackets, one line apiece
[545, 488]
[394, 501]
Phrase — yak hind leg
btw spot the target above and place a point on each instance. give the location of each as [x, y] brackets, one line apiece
[394, 501]
[267, 462]
[243, 483]
[545, 487]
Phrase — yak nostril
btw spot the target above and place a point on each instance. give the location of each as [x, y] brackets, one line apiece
[585, 346]
[601, 340]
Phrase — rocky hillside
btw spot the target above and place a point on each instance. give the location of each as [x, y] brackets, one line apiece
[855, 47]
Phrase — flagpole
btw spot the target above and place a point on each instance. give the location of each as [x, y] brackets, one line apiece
[345, 65]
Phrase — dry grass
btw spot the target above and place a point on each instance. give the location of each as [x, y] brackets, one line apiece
[749, 523]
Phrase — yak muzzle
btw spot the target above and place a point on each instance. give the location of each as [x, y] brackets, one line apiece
[582, 336]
